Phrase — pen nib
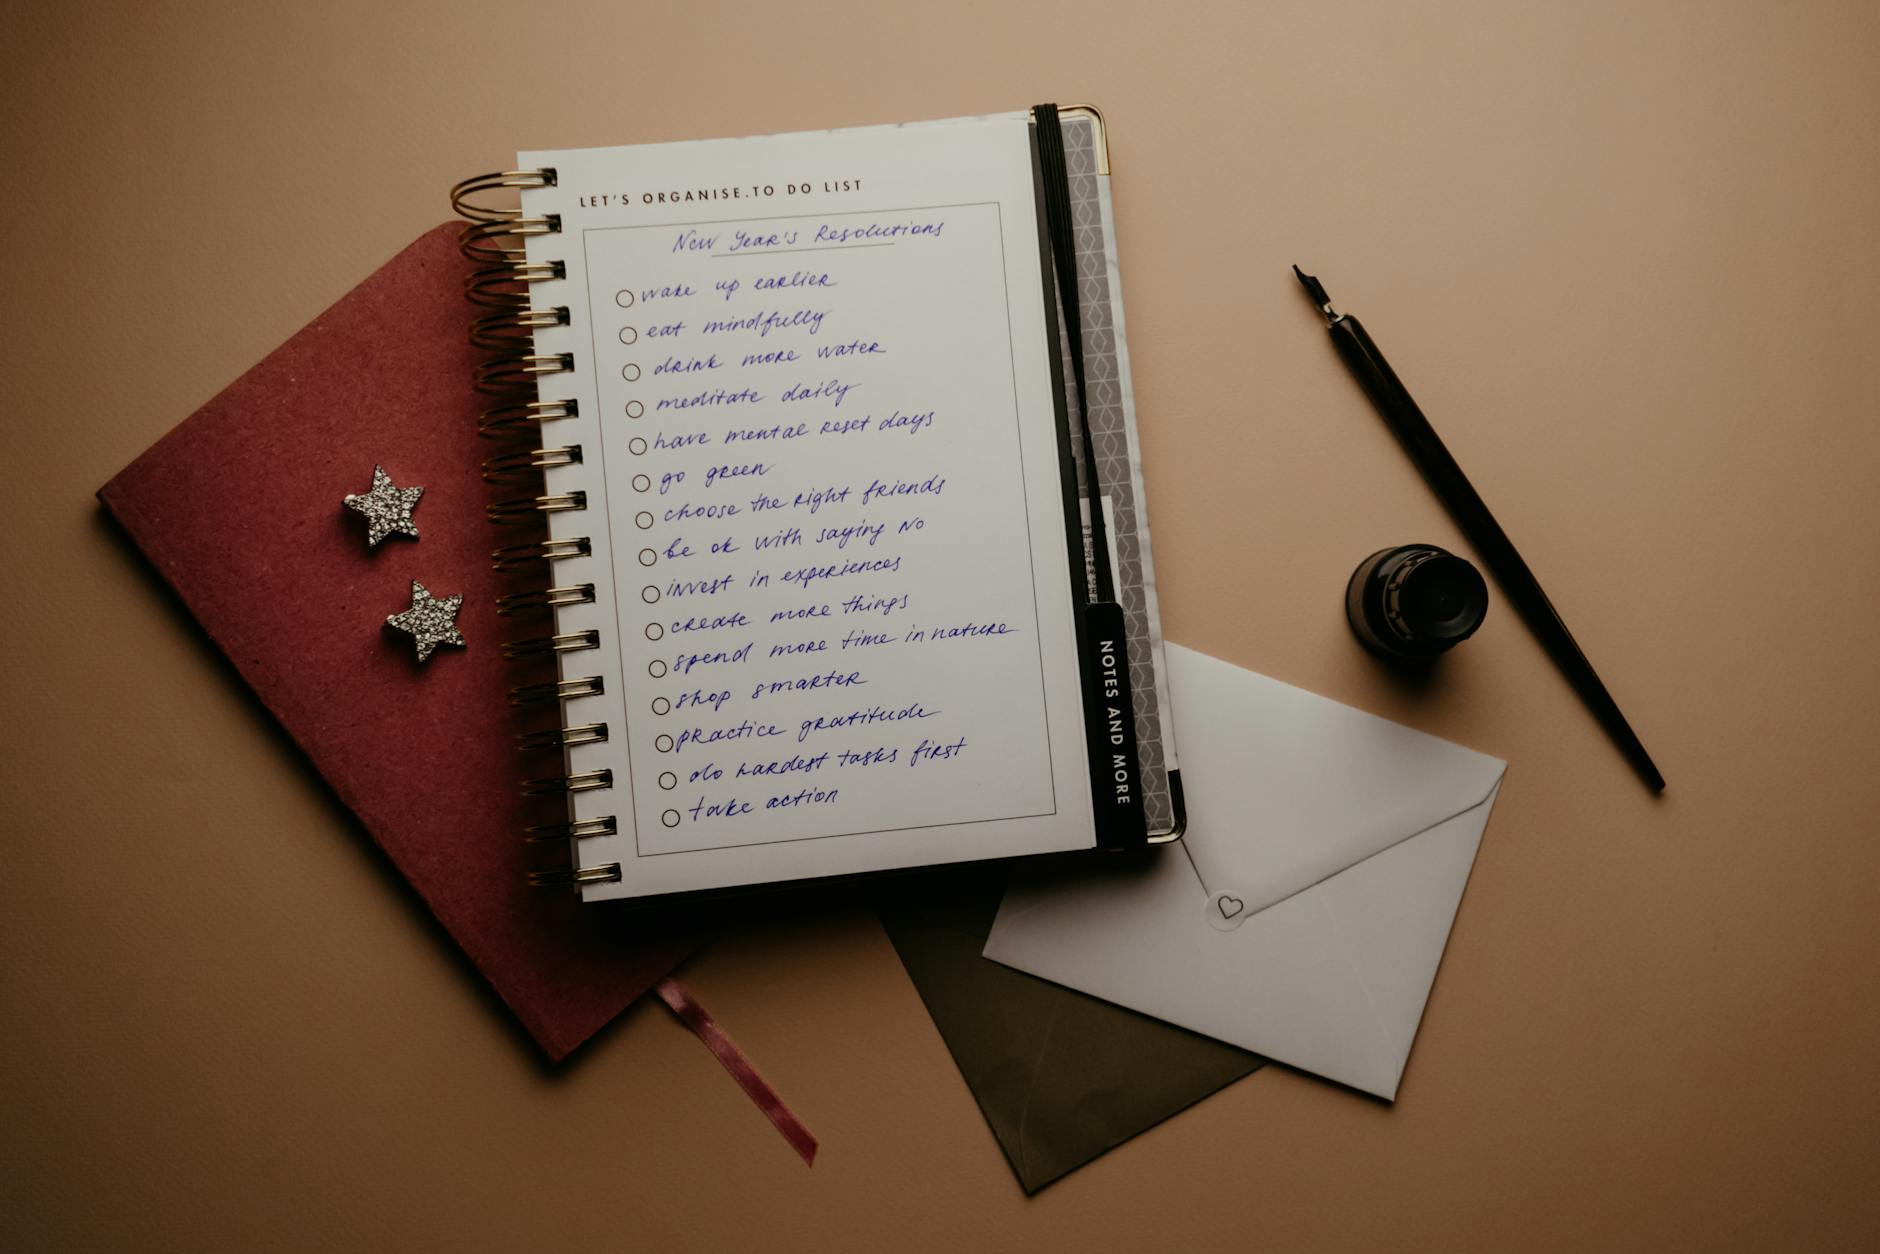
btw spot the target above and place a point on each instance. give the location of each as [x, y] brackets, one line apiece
[1315, 291]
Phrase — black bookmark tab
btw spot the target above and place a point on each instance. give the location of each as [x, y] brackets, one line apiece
[1115, 766]
[1109, 703]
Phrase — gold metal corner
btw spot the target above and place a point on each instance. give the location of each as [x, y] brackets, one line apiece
[1103, 136]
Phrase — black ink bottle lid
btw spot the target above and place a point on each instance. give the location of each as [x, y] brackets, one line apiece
[1415, 602]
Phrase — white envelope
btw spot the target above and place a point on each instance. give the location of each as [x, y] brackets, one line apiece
[1305, 911]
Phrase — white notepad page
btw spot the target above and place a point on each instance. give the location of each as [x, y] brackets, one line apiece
[824, 502]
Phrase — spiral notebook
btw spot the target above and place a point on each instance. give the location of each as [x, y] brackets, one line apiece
[810, 428]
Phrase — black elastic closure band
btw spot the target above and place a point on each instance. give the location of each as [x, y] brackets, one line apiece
[1109, 701]
[1057, 205]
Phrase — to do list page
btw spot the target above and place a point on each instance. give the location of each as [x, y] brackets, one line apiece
[824, 505]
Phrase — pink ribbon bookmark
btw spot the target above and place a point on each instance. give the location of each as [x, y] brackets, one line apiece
[680, 1001]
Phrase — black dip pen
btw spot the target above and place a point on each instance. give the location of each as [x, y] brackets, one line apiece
[1453, 488]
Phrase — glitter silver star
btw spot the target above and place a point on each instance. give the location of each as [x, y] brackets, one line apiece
[430, 621]
[387, 507]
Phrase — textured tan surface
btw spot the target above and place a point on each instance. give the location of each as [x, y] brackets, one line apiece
[1624, 255]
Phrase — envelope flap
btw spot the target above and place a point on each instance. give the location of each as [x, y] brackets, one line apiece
[1138, 936]
[1393, 913]
[1060, 1076]
[1321, 786]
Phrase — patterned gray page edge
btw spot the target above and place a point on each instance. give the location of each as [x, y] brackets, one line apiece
[1113, 431]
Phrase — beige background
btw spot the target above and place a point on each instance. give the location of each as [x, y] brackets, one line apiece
[1624, 254]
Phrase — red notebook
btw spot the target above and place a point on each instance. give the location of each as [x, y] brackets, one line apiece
[240, 509]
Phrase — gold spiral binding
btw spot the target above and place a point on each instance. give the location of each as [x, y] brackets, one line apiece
[514, 467]
[508, 372]
[475, 241]
[506, 286]
[576, 829]
[540, 599]
[496, 241]
[556, 785]
[523, 418]
[523, 509]
[565, 877]
[460, 202]
[544, 645]
[509, 329]
[540, 552]
[562, 737]
[560, 690]
[539, 646]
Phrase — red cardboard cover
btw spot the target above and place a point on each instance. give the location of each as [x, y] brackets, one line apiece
[239, 508]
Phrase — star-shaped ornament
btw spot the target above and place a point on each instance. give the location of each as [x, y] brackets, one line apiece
[430, 621]
[387, 507]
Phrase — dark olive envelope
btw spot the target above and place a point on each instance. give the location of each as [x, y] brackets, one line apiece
[1060, 1076]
